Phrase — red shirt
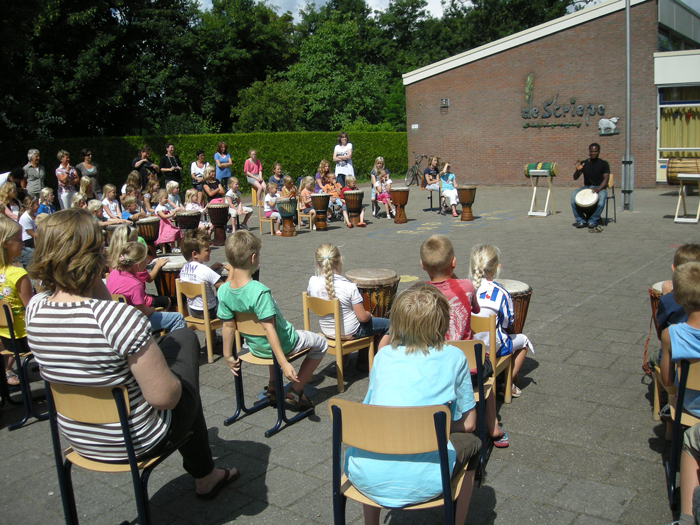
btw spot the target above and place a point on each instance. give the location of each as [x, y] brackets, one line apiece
[462, 298]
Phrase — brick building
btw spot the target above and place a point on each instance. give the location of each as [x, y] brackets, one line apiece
[538, 95]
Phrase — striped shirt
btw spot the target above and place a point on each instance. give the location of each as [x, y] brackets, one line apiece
[493, 298]
[87, 344]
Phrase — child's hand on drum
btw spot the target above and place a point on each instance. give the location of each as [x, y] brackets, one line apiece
[666, 287]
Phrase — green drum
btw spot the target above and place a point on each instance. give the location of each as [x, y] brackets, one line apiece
[551, 167]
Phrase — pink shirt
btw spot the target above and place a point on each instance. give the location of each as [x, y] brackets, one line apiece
[130, 286]
[462, 298]
[253, 167]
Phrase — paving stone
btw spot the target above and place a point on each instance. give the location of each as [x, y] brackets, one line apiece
[596, 499]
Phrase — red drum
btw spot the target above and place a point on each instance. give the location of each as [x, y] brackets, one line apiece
[148, 230]
[287, 209]
[320, 202]
[521, 294]
[399, 196]
[188, 220]
[467, 195]
[166, 277]
[353, 202]
[218, 214]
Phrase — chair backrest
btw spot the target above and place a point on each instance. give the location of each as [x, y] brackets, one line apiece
[321, 307]
[485, 324]
[249, 324]
[88, 404]
[191, 290]
[119, 298]
[467, 347]
[389, 430]
[610, 181]
[693, 380]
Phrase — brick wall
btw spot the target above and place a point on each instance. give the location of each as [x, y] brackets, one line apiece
[482, 132]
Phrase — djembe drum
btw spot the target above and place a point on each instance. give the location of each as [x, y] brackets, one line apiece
[188, 220]
[287, 208]
[378, 289]
[586, 202]
[654, 296]
[148, 230]
[166, 277]
[353, 202]
[399, 196]
[466, 195]
[109, 230]
[520, 293]
[218, 214]
[320, 202]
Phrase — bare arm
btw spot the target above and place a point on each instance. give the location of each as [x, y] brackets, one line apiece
[228, 332]
[467, 423]
[24, 289]
[160, 262]
[287, 369]
[362, 315]
[147, 311]
[159, 386]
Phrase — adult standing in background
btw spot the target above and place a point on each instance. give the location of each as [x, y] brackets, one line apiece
[223, 162]
[197, 173]
[89, 169]
[170, 166]
[144, 166]
[67, 179]
[342, 156]
[253, 173]
[34, 173]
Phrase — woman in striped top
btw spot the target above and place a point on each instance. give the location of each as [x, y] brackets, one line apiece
[79, 336]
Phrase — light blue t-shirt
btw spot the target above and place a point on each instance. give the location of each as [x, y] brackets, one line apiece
[685, 344]
[397, 379]
[225, 172]
[447, 180]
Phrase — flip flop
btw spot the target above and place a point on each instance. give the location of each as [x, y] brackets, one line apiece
[228, 478]
[362, 224]
[503, 442]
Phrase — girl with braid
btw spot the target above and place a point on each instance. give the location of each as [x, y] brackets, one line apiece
[328, 284]
[484, 267]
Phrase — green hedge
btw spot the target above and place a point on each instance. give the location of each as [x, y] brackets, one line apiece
[299, 153]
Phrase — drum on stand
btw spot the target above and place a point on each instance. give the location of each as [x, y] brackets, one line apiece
[287, 209]
[218, 215]
[188, 220]
[467, 195]
[320, 202]
[148, 231]
[353, 202]
[166, 277]
[586, 201]
[521, 293]
[399, 196]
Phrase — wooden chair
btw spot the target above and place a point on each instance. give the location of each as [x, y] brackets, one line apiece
[206, 325]
[98, 405]
[689, 377]
[500, 364]
[301, 215]
[268, 220]
[611, 195]
[22, 362]
[249, 325]
[119, 298]
[337, 347]
[391, 430]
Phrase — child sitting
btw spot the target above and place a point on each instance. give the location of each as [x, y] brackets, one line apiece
[382, 189]
[167, 232]
[270, 206]
[437, 258]
[243, 294]
[150, 196]
[305, 203]
[110, 203]
[192, 198]
[449, 192]
[124, 280]
[288, 190]
[332, 188]
[95, 207]
[26, 221]
[130, 210]
[276, 176]
[196, 251]
[46, 197]
[78, 200]
[350, 185]
[173, 189]
[329, 283]
[235, 205]
[484, 267]
[126, 233]
[418, 369]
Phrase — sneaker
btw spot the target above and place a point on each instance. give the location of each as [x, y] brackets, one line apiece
[374, 213]
[391, 213]
[390, 218]
[590, 225]
[516, 392]
[159, 251]
[580, 224]
[177, 250]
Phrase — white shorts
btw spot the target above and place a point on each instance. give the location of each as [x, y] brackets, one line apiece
[233, 212]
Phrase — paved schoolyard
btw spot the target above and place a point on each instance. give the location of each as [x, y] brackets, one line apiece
[584, 448]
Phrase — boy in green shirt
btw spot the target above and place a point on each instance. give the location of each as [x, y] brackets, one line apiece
[244, 295]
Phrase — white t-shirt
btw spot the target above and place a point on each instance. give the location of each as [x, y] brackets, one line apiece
[267, 206]
[344, 166]
[347, 294]
[27, 223]
[235, 196]
[113, 207]
[195, 272]
[196, 170]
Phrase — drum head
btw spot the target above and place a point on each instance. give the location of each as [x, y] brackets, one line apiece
[657, 287]
[190, 213]
[148, 220]
[586, 198]
[514, 287]
[372, 277]
[217, 205]
[175, 263]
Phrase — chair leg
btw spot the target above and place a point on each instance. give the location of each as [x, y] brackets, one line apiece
[210, 345]
[281, 411]
[144, 494]
[657, 403]
[240, 402]
[66, 483]
[339, 504]
[339, 371]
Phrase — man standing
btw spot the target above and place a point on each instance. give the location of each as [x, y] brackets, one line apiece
[596, 173]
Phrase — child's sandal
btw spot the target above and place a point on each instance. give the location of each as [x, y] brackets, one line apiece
[297, 402]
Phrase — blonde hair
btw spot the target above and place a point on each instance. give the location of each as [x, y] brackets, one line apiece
[122, 234]
[377, 161]
[189, 194]
[8, 230]
[271, 186]
[93, 206]
[379, 174]
[128, 201]
[208, 171]
[161, 194]
[150, 185]
[131, 254]
[484, 262]
[306, 182]
[84, 183]
[44, 194]
[40, 218]
[6, 191]
[231, 180]
[329, 261]
[134, 179]
[419, 319]
[287, 181]
[240, 247]
[171, 185]
[62, 153]
[350, 178]
[75, 200]
[68, 252]
[436, 254]
[686, 285]
[108, 188]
